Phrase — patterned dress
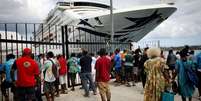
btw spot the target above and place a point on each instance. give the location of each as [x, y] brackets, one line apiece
[156, 82]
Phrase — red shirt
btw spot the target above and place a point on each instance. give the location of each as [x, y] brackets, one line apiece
[103, 65]
[63, 66]
[27, 68]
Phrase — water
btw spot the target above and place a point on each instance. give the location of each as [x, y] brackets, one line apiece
[197, 52]
[166, 52]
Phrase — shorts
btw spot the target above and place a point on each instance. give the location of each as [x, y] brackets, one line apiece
[4, 86]
[63, 79]
[25, 93]
[104, 89]
[48, 87]
[135, 70]
[117, 70]
[56, 82]
[128, 70]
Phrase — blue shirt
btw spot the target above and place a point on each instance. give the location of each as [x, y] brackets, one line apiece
[117, 61]
[7, 67]
[199, 61]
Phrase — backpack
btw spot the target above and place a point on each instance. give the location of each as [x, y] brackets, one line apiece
[54, 69]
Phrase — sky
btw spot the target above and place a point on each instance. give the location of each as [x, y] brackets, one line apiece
[183, 27]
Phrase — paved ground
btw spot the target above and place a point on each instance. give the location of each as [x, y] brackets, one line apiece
[119, 93]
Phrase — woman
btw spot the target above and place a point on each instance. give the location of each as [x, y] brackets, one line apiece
[73, 69]
[186, 88]
[157, 75]
[141, 66]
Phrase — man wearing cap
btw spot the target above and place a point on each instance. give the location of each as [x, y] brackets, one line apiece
[27, 70]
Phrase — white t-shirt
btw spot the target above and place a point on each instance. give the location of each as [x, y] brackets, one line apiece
[49, 76]
[93, 71]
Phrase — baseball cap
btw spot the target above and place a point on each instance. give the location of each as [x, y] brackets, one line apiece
[26, 51]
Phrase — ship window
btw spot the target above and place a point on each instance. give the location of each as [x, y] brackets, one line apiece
[91, 4]
[64, 3]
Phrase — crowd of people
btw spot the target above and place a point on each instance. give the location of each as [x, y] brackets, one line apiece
[28, 75]
[176, 74]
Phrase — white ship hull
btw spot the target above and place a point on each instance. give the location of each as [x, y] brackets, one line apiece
[130, 25]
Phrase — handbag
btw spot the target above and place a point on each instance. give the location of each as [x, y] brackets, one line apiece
[175, 88]
[167, 96]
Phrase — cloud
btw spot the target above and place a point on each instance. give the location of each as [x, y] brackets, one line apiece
[24, 10]
[185, 22]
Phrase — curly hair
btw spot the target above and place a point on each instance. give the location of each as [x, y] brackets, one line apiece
[153, 52]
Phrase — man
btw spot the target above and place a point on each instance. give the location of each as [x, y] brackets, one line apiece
[123, 74]
[171, 60]
[62, 73]
[199, 72]
[85, 63]
[49, 72]
[38, 80]
[7, 83]
[128, 65]
[27, 70]
[141, 66]
[136, 69]
[117, 65]
[73, 69]
[103, 67]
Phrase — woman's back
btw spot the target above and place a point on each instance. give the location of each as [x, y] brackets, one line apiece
[186, 89]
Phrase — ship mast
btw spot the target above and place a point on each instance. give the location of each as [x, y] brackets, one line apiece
[112, 25]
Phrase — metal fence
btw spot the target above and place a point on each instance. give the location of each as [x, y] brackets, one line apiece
[78, 40]
[42, 38]
[16, 36]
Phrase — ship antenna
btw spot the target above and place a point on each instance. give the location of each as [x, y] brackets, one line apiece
[170, 2]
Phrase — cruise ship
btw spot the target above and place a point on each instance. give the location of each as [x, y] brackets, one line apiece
[130, 24]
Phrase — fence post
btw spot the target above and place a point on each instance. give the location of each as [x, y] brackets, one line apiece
[6, 39]
[12, 44]
[16, 31]
[62, 36]
[66, 37]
